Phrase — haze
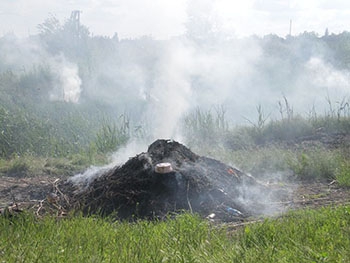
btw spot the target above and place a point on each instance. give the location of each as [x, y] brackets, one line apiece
[172, 57]
[163, 19]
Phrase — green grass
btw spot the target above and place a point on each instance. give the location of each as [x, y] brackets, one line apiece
[301, 236]
[342, 173]
[314, 163]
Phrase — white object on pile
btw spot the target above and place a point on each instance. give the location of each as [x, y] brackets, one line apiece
[163, 168]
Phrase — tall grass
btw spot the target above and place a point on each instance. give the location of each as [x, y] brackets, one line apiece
[342, 173]
[75, 132]
[205, 127]
[110, 137]
[304, 236]
[30, 123]
[308, 148]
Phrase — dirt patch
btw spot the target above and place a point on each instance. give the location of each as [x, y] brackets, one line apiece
[314, 195]
[196, 184]
[29, 193]
[32, 193]
[20, 190]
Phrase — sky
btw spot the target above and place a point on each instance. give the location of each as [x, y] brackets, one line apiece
[163, 19]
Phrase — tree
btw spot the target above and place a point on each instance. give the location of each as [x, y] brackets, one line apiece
[201, 24]
[69, 38]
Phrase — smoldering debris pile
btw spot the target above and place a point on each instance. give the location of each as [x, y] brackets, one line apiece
[167, 179]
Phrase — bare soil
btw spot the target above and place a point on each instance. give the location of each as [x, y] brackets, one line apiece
[34, 193]
[43, 193]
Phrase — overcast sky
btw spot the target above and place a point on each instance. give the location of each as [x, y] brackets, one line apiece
[165, 18]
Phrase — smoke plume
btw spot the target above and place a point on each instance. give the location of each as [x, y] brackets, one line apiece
[68, 86]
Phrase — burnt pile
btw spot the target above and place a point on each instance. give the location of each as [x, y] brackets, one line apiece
[142, 189]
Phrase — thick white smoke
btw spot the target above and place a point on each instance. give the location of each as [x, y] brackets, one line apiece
[68, 86]
[317, 84]
[324, 76]
[66, 81]
[71, 83]
[171, 95]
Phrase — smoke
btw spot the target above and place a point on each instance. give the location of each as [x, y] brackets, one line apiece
[83, 180]
[21, 55]
[314, 85]
[325, 76]
[158, 82]
[170, 96]
[133, 148]
[68, 86]
[71, 83]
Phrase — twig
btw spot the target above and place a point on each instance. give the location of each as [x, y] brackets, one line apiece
[40, 207]
[188, 200]
[55, 185]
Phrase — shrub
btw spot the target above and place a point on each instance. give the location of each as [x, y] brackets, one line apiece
[110, 137]
[313, 164]
[205, 127]
[18, 168]
[342, 173]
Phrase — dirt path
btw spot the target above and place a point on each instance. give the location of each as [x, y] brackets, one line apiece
[314, 195]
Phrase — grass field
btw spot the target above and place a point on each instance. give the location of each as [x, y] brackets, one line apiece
[321, 235]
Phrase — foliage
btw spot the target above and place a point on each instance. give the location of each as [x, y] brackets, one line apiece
[315, 164]
[342, 173]
[68, 38]
[205, 127]
[32, 124]
[280, 162]
[261, 162]
[110, 137]
[18, 168]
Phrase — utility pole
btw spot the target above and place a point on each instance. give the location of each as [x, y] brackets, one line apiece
[75, 19]
[290, 28]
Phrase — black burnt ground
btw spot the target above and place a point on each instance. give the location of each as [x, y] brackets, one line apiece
[197, 184]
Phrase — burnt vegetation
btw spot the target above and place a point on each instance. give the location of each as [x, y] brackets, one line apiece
[196, 184]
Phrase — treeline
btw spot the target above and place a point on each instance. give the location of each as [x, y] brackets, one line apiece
[113, 79]
[108, 65]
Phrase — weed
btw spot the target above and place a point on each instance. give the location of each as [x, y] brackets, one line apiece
[205, 127]
[18, 168]
[314, 164]
[110, 137]
[342, 174]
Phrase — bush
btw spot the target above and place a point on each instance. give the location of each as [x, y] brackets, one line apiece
[342, 174]
[18, 168]
[110, 137]
[314, 164]
[205, 127]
